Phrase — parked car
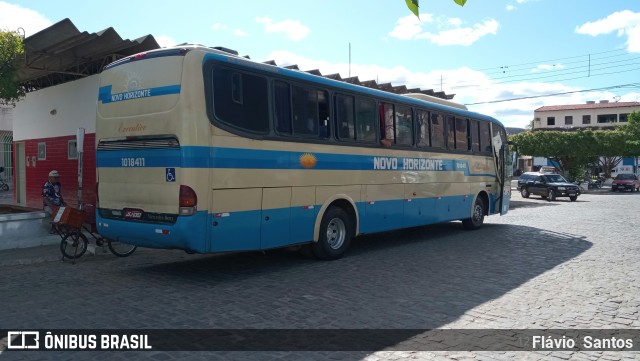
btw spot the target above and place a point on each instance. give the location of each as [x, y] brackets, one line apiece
[549, 186]
[624, 182]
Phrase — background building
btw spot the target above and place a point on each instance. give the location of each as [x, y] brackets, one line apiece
[600, 115]
[594, 115]
[6, 141]
[60, 73]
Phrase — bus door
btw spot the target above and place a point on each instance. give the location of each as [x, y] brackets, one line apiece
[504, 169]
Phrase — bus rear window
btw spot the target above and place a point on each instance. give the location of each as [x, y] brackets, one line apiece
[241, 100]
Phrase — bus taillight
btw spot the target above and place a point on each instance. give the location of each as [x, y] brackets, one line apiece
[188, 201]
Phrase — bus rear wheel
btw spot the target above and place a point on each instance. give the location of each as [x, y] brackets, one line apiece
[477, 217]
[335, 235]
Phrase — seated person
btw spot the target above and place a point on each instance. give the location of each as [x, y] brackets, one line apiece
[52, 193]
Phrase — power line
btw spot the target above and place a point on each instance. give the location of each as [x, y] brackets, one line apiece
[553, 60]
[588, 62]
[566, 79]
[630, 85]
[553, 76]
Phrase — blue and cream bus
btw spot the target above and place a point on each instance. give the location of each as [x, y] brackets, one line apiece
[202, 150]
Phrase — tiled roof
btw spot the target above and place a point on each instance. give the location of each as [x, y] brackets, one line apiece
[551, 108]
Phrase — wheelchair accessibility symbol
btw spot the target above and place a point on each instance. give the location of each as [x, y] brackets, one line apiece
[170, 174]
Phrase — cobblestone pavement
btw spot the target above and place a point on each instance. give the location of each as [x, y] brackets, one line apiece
[545, 265]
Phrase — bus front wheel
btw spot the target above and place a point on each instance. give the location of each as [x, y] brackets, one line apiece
[477, 217]
[335, 234]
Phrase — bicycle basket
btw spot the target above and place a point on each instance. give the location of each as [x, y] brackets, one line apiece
[70, 217]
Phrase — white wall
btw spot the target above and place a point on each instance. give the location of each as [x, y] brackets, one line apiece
[6, 118]
[539, 161]
[73, 103]
[577, 117]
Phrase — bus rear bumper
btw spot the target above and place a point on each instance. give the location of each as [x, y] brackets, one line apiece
[188, 233]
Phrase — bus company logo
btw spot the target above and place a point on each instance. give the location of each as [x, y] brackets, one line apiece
[133, 81]
[23, 340]
[139, 127]
[308, 160]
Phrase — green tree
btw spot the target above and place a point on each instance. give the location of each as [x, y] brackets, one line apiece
[611, 146]
[632, 128]
[574, 151]
[570, 150]
[11, 51]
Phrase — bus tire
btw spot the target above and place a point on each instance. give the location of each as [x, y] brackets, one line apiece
[335, 234]
[477, 217]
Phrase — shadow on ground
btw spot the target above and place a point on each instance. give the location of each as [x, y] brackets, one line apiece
[420, 278]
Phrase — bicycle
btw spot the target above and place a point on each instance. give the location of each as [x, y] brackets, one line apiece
[69, 223]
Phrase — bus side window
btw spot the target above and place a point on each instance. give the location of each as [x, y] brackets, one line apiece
[345, 119]
[282, 98]
[451, 133]
[241, 100]
[474, 135]
[485, 137]
[461, 134]
[422, 118]
[236, 87]
[305, 111]
[366, 120]
[323, 114]
[386, 124]
[404, 126]
[437, 131]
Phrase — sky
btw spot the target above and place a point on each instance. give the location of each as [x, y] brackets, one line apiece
[490, 54]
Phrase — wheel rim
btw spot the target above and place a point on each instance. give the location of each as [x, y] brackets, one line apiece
[478, 212]
[336, 233]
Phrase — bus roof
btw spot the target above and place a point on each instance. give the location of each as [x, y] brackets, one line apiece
[229, 56]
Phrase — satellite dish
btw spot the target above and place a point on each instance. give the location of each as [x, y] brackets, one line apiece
[616, 98]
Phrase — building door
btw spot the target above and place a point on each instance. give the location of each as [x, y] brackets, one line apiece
[21, 175]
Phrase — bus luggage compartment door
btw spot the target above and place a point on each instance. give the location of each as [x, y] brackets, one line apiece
[235, 219]
[276, 217]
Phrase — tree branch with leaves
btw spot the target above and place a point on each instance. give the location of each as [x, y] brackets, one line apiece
[11, 52]
[415, 8]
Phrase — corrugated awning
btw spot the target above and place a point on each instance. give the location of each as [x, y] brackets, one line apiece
[62, 53]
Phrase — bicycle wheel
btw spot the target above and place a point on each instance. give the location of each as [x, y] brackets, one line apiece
[121, 249]
[73, 245]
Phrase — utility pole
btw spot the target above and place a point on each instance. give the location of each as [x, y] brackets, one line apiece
[349, 60]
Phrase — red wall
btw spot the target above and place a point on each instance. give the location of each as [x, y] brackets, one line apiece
[57, 158]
